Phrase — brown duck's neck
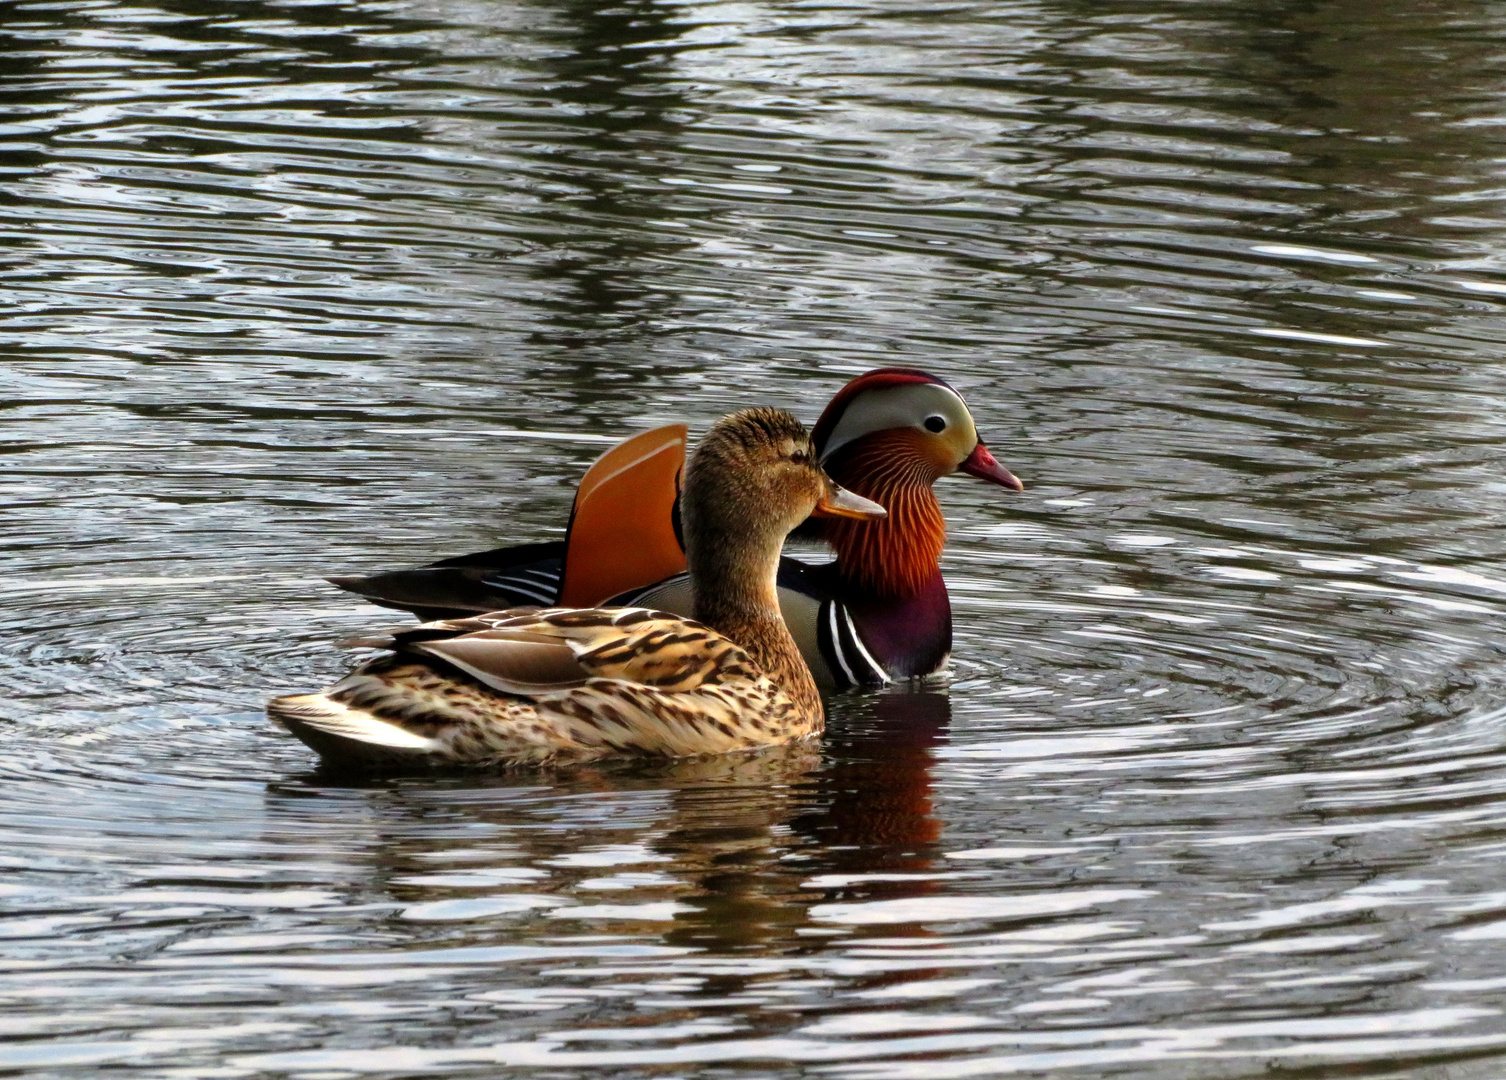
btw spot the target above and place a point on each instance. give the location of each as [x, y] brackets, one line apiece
[733, 580]
[894, 557]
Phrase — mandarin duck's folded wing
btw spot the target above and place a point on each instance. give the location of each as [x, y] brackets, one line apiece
[520, 576]
[622, 535]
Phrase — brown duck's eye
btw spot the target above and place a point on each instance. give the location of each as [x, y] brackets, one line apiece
[936, 424]
[800, 457]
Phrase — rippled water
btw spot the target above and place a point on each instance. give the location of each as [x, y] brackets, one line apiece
[1217, 788]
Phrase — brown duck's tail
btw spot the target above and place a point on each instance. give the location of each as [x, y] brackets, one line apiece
[349, 737]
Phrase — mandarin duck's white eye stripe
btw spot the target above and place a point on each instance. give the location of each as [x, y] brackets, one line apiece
[914, 405]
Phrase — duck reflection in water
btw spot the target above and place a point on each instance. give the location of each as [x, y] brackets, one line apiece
[723, 854]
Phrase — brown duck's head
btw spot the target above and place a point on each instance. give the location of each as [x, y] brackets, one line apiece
[903, 421]
[755, 476]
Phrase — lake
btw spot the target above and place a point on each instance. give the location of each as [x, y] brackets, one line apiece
[1216, 786]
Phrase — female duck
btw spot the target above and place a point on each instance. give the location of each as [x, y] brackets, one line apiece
[518, 687]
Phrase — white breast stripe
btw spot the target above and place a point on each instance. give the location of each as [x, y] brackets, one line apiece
[873, 664]
[836, 644]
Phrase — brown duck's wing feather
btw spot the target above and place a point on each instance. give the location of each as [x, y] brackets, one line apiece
[511, 665]
[643, 646]
[532, 651]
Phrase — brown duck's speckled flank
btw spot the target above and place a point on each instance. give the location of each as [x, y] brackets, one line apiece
[651, 683]
[559, 684]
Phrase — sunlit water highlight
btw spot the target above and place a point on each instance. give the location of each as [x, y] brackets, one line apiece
[1216, 787]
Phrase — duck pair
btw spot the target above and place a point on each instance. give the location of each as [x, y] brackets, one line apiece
[879, 612]
[482, 685]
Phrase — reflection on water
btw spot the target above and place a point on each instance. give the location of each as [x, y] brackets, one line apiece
[1216, 786]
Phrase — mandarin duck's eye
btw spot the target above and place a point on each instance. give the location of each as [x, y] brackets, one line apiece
[936, 424]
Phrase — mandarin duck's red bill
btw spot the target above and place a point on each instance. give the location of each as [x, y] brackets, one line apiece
[984, 466]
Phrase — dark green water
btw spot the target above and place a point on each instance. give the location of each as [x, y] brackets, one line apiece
[1217, 788]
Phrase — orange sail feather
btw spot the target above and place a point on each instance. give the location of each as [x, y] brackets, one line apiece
[622, 533]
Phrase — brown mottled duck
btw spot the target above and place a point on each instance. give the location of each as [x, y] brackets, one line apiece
[530, 686]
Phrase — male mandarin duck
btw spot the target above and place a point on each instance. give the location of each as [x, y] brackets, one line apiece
[532, 686]
[878, 613]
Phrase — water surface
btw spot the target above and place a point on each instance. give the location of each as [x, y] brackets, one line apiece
[1216, 788]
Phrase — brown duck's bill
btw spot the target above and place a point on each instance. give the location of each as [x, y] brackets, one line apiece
[839, 502]
[981, 463]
